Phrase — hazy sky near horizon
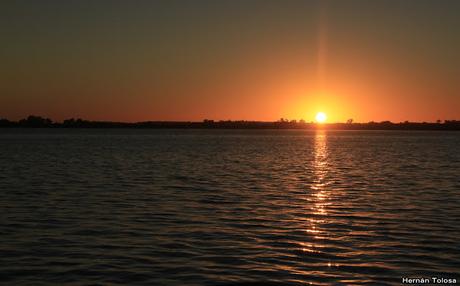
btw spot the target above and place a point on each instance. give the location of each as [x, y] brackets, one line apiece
[252, 60]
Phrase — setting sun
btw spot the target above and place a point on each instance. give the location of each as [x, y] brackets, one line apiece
[321, 117]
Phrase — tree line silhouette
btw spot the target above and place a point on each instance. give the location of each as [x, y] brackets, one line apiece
[33, 121]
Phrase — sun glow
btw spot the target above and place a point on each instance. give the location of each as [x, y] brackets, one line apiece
[321, 117]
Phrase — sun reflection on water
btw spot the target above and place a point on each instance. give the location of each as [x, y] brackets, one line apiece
[320, 170]
[318, 196]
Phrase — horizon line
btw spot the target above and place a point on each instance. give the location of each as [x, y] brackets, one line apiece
[213, 121]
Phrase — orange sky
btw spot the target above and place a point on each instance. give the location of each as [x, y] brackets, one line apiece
[250, 60]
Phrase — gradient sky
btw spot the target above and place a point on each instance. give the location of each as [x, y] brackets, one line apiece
[252, 60]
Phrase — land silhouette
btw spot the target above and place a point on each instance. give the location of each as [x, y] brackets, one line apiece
[33, 121]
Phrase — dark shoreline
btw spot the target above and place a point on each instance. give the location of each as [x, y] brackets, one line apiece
[40, 122]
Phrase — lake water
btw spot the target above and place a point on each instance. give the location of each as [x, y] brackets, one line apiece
[228, 207]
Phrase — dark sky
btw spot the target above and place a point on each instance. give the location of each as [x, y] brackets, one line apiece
[253, 60]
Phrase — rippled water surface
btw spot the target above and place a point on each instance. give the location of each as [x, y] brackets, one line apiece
[216, 207]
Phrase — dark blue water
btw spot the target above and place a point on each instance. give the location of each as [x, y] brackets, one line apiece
[215, 207]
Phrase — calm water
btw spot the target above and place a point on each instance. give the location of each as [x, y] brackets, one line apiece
[214, 207]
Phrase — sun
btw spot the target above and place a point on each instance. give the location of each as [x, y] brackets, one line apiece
[321, 117]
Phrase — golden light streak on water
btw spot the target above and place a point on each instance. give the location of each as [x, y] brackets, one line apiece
[319, 195]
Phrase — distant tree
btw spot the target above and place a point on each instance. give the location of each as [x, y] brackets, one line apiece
[350, 121]
[301, 121]
[438, 121]
[35, 122]
[68, 122]
[282, 120]
[293, 121]
[6, 122]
